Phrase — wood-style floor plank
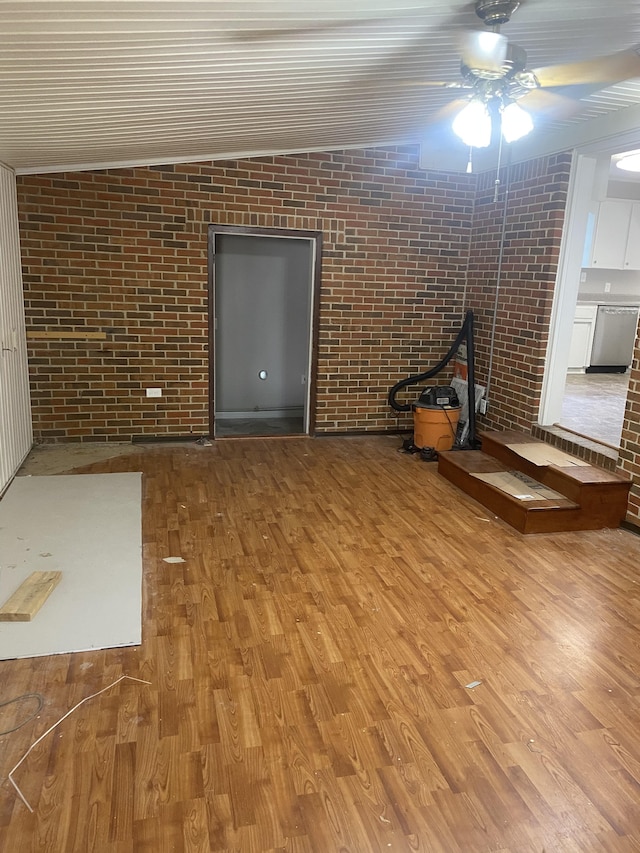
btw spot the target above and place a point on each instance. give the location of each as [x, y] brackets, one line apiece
[308, 666]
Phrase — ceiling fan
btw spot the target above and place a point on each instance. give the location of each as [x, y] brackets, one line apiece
[502, 89]
[497, 89]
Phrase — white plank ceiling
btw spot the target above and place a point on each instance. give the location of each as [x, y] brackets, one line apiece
[91, 83]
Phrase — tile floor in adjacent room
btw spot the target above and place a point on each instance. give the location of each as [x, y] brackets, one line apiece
[593, 405]
[238, 427]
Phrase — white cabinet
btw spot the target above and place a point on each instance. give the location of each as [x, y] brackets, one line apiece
[616, 236]
[610, 236]
[582, 337]
[632, 255]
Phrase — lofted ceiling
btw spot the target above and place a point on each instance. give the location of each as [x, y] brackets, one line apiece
[92, 83]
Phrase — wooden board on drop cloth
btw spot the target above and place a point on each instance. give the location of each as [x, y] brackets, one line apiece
[546, 454]
[519, 486]
[29, 597]
[88, 527]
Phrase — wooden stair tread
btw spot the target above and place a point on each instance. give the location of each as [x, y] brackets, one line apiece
[506, 443]
[537, 516]
[476, 462]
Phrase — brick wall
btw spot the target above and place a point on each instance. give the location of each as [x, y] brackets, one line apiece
[629, 459]
[536, 201]
[124, 252]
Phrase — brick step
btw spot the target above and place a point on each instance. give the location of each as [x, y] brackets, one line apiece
[573, 495]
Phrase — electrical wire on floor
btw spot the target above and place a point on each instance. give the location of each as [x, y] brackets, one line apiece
[40, 699]
[55, 725]
[407, 442]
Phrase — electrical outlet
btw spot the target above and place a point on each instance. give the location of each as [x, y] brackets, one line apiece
[607, 287]
[583, 277]
[154, 392]
[484, 404]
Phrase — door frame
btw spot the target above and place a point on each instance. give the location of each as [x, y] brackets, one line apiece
[565, 297]
[587, 183]
[315, 240]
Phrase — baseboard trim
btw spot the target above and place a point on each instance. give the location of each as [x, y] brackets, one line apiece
[358, 433]
[156, 439]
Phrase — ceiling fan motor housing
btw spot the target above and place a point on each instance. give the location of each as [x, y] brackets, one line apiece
[496, 12]
[515, 61]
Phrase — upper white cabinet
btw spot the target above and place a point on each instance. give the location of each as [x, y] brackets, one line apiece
[632, 254]
[616, 236]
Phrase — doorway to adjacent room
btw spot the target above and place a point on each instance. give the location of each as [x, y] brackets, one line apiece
[576, 395]
[263, 288]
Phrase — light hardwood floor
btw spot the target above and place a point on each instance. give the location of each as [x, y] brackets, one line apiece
[308, 665]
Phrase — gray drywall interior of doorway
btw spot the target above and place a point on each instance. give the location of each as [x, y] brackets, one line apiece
[262, 311]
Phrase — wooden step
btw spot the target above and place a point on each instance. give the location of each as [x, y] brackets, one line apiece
[602, 493]
[527, 516]
[582, 496]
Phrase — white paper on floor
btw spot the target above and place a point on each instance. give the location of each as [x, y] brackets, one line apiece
[87, 526]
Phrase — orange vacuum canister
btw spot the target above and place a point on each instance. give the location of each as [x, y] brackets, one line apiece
[435, 426]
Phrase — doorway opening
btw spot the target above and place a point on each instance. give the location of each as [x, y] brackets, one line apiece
[263, 305]
[593, 406]
[587, 375]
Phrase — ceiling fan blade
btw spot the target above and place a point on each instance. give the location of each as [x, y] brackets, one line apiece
[442, 118]
[544, 104]
[438, 135]
[287, 32]
[483, 50]
[603, 71]
[463, 16]
[436, 84]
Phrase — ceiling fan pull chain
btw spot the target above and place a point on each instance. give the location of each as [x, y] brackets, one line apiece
[496, 183]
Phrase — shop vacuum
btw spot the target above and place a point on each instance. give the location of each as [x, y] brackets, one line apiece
[437, 411]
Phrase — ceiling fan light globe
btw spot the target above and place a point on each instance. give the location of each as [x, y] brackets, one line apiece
[473, 125]
[484, 51]
[630, 163]
[516, 122]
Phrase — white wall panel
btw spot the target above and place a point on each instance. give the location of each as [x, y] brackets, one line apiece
[15, 411]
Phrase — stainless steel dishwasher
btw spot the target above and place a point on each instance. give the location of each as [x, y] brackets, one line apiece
[613, 339]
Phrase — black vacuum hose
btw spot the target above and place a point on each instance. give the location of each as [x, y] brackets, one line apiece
[420, 377]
